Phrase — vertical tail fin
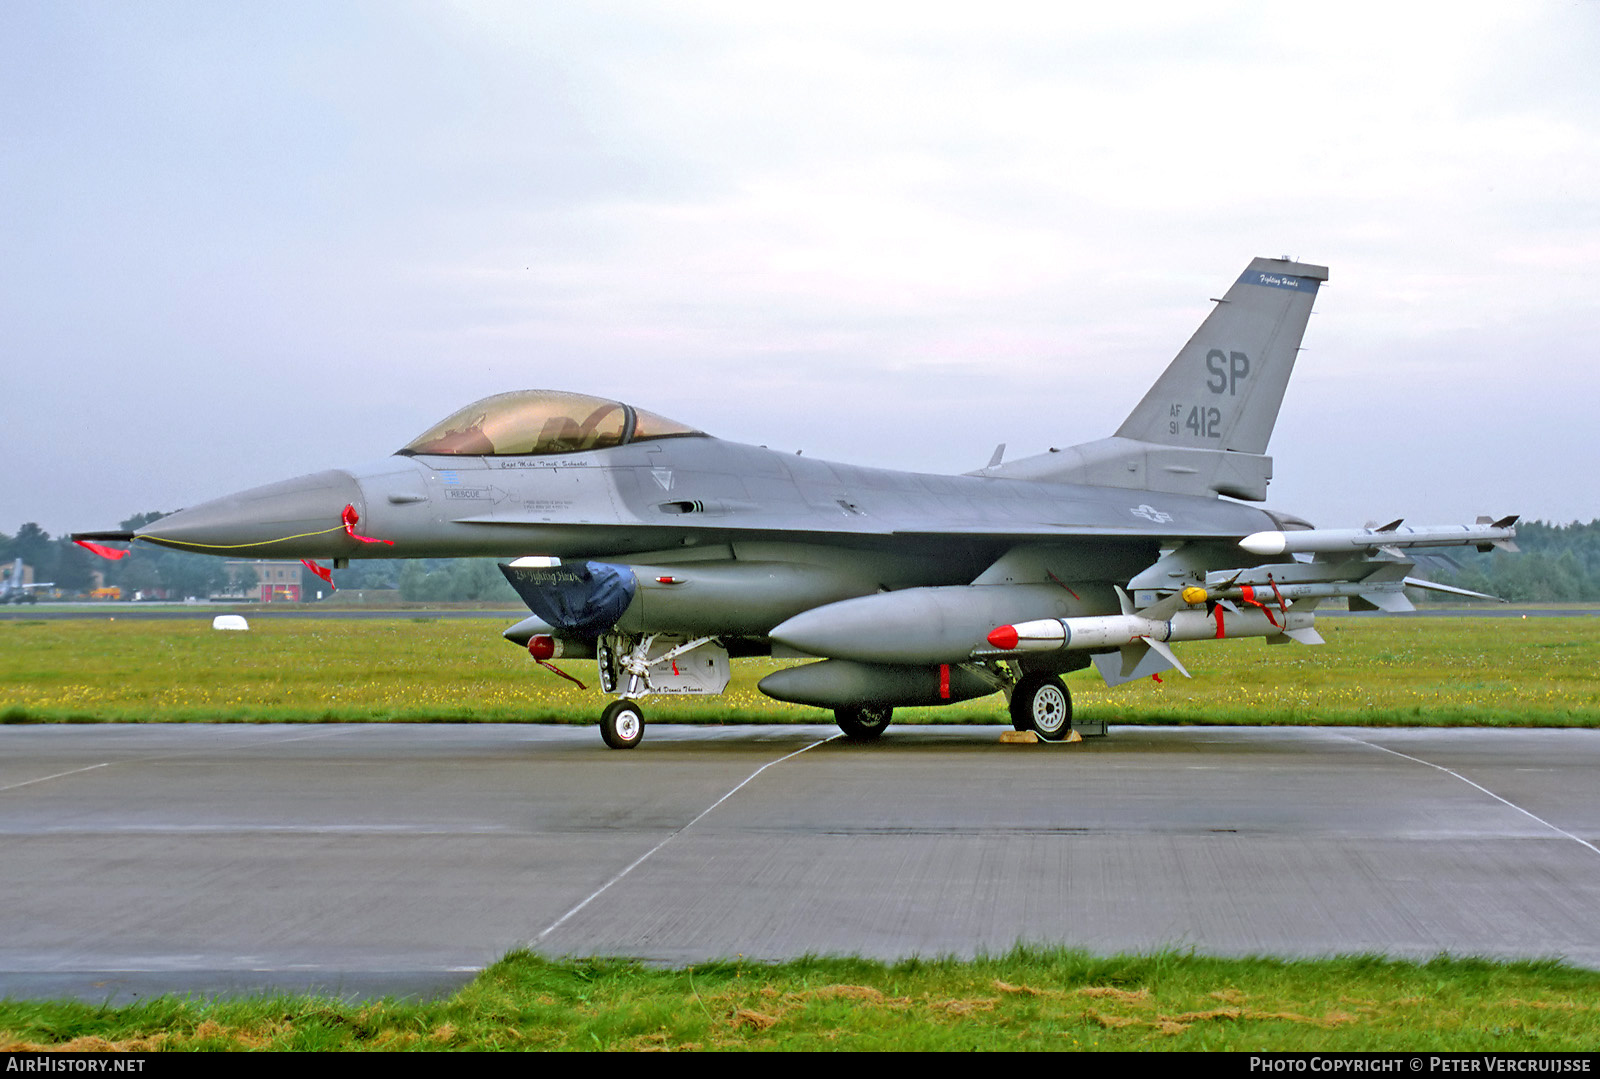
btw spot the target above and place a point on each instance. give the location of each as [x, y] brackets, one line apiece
[1224, 389]
[1203, 427]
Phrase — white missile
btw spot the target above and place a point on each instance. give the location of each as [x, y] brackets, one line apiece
[1140, 638]
[1483, 535]
[1117, 630]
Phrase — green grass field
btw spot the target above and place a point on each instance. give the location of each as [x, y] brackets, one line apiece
[1440, 671]
[1027, 1000]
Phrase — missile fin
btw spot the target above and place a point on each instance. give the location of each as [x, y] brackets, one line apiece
[1122, 598]
[1389, 602]
[1109, 664]
[1167, 654]
[1133, 661]
[1164, 608]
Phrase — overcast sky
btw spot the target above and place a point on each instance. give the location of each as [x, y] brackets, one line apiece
[245, 241]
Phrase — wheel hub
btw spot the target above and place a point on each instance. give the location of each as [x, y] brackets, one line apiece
[628, 724]
[1049, 711]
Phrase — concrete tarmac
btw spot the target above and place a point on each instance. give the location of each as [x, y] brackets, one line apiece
[370, 859]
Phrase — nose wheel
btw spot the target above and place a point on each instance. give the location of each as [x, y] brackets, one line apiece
[622, 724]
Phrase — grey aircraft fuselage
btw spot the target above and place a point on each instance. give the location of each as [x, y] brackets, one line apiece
[850, 531]
[661, 551]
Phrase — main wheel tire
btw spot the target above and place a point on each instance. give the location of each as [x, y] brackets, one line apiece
[863, 723]
[622, 724]
[1041, 704]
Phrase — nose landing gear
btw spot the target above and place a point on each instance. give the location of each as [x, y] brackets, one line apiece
[622, 724]
[636, 667]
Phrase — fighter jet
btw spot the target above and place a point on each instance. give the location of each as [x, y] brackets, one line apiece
[14, 590]
[660, 551]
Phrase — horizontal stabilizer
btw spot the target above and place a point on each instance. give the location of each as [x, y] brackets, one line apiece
[1431, 586]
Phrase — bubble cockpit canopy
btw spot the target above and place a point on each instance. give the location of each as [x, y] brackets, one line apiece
[542, 422]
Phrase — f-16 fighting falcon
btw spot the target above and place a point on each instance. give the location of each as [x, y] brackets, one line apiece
[661, 551]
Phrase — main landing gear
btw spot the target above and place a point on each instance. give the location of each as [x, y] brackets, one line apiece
[1040, 703]
[863, 723]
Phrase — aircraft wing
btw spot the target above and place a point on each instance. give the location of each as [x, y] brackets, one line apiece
[1183, 597]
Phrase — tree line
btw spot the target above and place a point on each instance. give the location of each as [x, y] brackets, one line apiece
[1557, 563]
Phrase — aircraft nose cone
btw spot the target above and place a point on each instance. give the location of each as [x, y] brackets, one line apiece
[298, 518]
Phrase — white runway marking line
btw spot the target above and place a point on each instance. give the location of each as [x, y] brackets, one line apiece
[58, 775]
[637, 862]
[1479, 786]
[170, 756]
